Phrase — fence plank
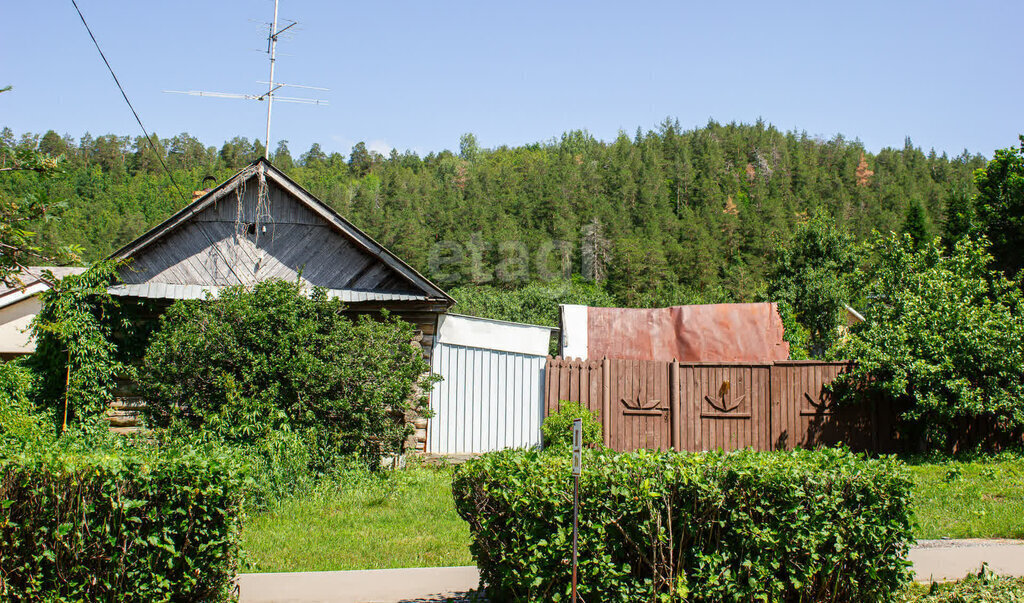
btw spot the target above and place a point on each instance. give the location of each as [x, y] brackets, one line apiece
[665, 404]
[606, 400]
[674, 418]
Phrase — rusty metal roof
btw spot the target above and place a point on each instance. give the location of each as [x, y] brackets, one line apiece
[705, 333]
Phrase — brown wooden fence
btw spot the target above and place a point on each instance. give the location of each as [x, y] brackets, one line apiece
[705, 406]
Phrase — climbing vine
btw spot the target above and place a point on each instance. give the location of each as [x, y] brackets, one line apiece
[76, 356]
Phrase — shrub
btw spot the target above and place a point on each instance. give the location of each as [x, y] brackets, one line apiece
[76, 356]
[557, 427]
[127, 525]
[269, 359]
[943, 335]
[273, 468]
[811, 526]
[20, 422]
[276, 467]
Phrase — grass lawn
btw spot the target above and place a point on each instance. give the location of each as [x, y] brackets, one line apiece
[981, 499]
[405, 519]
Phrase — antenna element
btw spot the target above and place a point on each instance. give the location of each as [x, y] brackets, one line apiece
[270, 95]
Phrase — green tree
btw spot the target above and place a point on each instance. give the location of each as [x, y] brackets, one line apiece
[960, 216]
[638, 271]
[283, 157]
[810, 278]
[52, 144]
[314, 156]
[943, 334]
[19, 210]
[915, 224]
[186, 152]
[362, 161]
[258, 150]
[272, 359]
[469, 150]
[1000, 207]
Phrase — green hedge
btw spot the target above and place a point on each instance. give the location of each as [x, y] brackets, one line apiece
[746, 526]
[556, 429]
[20, 421]
[127, 525]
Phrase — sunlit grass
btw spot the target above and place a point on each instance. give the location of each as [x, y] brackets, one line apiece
[404, 518]
[979, 499]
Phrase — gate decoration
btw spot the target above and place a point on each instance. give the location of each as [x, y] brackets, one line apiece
[706, 406]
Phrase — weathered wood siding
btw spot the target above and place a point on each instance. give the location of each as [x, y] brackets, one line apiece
[221, 245]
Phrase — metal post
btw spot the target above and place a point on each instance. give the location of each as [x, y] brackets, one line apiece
[67, 392]
[577, 469]
[270, 94]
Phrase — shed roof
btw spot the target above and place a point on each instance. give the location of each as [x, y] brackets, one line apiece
[494, 335]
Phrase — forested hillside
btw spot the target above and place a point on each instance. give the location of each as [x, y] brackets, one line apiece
[665, 216]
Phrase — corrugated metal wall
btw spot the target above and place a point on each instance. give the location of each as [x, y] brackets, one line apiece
[488, 400]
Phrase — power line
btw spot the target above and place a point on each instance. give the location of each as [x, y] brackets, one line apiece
[134, 112]
[149, 139]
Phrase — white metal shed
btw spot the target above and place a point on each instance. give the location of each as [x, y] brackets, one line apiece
[492, 393]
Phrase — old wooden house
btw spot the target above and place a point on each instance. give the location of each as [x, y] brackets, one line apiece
[19, 304]
[261, 225]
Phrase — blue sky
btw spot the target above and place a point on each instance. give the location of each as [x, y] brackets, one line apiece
[416, 75]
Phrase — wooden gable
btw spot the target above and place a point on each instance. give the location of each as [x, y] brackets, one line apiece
[259, 225]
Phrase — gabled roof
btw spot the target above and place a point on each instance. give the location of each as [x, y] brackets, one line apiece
[33, 282]
[379, 276]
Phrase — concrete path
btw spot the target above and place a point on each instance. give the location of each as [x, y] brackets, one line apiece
[937, 560]
[388, 585]
[941, 560]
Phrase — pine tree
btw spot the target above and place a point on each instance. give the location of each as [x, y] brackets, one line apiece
[960, 217]
[283, 157]
[1000, 206]
[596, 251]
[916, 224]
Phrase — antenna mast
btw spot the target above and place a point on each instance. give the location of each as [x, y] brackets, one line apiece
[273, 57]
[269, 95]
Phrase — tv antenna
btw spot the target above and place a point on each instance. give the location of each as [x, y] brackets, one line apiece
[270, 95]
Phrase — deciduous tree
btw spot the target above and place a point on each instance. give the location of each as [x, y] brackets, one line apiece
[944, 336]
[1000, 207]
